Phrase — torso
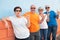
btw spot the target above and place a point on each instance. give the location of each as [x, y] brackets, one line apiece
[19, 25]
[44, 25]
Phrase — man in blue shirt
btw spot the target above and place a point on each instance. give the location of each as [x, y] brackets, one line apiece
[52, 24]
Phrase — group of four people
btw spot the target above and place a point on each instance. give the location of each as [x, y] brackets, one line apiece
[33, 26]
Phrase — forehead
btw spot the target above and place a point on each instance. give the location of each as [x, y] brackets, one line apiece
[33, 6]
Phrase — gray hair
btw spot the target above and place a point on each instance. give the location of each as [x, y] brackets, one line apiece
[40, 8]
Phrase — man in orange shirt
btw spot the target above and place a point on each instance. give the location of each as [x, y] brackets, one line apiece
[34, 23]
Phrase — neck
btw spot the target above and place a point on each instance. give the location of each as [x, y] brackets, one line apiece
[32, 12]
[47, 11]
[18, 16]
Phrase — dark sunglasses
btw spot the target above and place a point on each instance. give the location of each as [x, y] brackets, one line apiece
[47, 7]
[33, 8]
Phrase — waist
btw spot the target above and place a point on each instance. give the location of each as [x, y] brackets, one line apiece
[34, 28]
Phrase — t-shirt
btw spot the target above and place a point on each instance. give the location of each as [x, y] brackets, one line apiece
[34, 21]
[44, 25]
[52, 19]
[21, 31]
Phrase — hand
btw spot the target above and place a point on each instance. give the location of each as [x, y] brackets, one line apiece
[58, 12]
[6, 23]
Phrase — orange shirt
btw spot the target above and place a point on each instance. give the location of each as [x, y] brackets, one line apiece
[34, 21]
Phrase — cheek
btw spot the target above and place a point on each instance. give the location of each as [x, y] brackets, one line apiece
[33, 9]
[47, 9]
[17, 12]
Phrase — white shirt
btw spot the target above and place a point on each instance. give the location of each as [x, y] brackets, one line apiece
[19, 25]
[44, 25]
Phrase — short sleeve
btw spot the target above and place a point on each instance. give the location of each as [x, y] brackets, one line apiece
[55, 14]
[26, 21]
[10, 18]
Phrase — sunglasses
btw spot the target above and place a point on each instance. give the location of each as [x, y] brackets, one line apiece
[33, 8]
[18, 11]
[47, 7]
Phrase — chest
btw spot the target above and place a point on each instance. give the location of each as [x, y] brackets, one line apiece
[18, 21]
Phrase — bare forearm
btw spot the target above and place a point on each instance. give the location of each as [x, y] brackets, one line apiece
[5, 21]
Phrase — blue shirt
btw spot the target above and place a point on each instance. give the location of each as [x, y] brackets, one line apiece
[52, 18]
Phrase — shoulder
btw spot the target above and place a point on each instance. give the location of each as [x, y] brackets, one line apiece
[52, 11]
[11, 16]
[27, 13]
[24, 18]
[37, 14]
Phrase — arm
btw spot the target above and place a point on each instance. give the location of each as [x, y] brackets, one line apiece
[5, 21]
[28, 21]
[7, 18]
[27, 16]
[56, 15]
[42, 18]
[47, 17]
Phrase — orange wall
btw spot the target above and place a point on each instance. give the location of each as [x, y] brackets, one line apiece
[58, 29]
[7, 34]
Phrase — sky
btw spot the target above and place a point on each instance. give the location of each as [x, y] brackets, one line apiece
[7, 6]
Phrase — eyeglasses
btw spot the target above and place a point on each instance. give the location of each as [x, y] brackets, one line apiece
[18, 11]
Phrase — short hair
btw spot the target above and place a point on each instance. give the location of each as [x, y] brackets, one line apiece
[40, 8]
[17, 8]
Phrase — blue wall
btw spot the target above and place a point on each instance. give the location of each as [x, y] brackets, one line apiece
[7, 6]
